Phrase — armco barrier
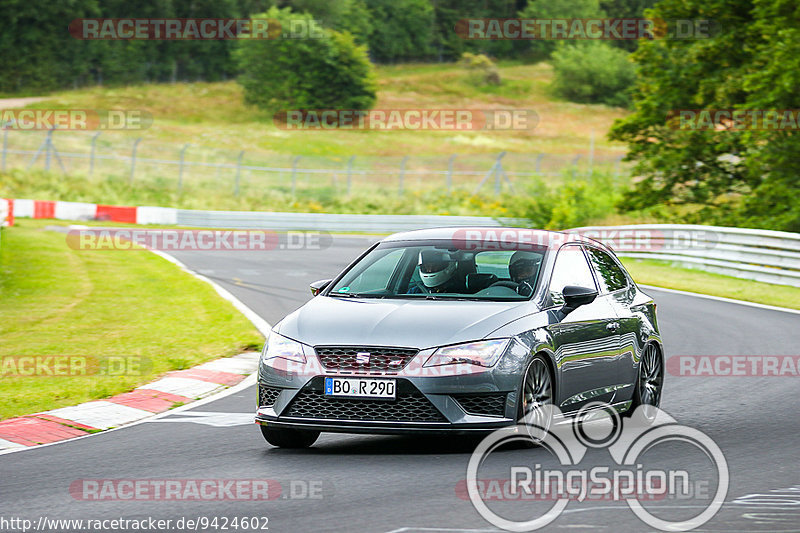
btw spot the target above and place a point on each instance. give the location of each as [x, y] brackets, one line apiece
[761, 255]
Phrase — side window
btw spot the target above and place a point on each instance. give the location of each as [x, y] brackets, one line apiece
[492, 262]
[571, 268]
[376, 276]
[609, 275]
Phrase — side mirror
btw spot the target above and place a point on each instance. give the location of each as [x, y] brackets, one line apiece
[575, 296]
[318, 286]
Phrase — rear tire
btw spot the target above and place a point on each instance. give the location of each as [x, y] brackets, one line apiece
[289, 438]
[649, 382]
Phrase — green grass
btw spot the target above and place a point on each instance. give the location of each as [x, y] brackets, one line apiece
[59, 301]
[214, 115]
[664, 274]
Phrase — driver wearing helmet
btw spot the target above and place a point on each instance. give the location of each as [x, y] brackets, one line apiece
[437, 272]
[523, 267]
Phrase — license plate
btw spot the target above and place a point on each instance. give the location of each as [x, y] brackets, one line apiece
[360, 387]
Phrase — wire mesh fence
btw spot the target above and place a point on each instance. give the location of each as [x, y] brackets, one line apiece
[183, 167]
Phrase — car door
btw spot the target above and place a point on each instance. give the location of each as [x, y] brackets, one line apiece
[616, 286]
[585, 341]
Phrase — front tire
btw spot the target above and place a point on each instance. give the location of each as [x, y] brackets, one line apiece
[289, 438]
[535, 408]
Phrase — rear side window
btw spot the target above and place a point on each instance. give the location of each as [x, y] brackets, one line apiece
[609, 275]
[571, 268]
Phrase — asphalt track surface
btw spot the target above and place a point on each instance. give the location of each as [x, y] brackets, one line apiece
[390, 483]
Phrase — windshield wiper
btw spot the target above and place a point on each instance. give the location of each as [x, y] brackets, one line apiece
[355, 295]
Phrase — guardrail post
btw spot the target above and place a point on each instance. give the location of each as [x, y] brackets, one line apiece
[180, 168]
[238, 173]
[402, 174]
[450, 173]
[91, 154]
[350, 173]
[294, 173]
[133, 159]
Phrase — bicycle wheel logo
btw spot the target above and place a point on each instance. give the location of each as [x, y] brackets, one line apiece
[598, 426]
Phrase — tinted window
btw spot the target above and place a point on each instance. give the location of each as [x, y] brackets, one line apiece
[374, 276]
[571, 268]
[609, 275]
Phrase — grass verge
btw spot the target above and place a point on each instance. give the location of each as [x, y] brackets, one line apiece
[669, 276]
[60, 301]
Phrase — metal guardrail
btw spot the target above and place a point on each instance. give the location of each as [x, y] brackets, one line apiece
[325, 221]
[760, 255]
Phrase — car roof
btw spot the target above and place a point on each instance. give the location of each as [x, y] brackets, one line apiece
[493, 234]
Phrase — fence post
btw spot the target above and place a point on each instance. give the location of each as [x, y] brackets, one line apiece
[591, 152]
[5, 147]
[402, 174]
[617, 162]
[575, 165]
[133, 159]
[48, 150]
[539, 163]
[450, 173]
[91, 155]
[350, 173]
[180, 168]
[238, 173]
[294, 173]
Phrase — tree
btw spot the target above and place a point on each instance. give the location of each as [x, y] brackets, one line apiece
[314, 73]
[753, 63]
[557, 9]
[593, 72]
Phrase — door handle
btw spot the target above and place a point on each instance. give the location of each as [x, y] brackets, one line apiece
[612, 326]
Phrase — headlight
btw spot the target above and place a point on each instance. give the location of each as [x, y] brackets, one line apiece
[281, 347]
[483, 353]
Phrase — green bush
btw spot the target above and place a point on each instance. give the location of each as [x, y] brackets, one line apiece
[315, 73]
[482, 70]
[593, 72]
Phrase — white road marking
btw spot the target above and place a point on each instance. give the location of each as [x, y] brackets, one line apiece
[211, 418]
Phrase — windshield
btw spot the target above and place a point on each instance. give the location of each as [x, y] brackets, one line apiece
[437, 270]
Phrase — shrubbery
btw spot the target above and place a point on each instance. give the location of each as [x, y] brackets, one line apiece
[323, 73]
[482, 70]
[593, 72]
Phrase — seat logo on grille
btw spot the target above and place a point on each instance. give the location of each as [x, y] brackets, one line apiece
[362, 358]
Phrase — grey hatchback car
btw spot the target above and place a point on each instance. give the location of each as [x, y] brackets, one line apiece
[460, 330]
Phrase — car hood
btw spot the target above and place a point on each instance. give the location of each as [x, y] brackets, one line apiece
[412, 323]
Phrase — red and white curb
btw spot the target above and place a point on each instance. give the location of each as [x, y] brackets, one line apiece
[207, 381]
[176, 388]
[84, 211]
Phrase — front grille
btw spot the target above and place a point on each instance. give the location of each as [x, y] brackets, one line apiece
[483, 404]
[408, 407]
[346, 357]
[267, 396]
